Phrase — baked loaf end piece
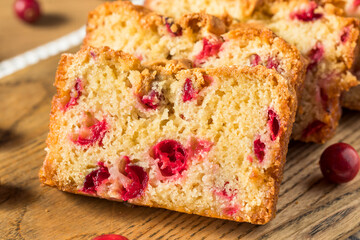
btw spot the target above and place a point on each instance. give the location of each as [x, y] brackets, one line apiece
[211, 142]
[203, 39]
[351, 8]
[241, 9]
[330, 43]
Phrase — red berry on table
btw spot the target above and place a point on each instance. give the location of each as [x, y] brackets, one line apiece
[110, 237]
[27, 10]
[339, 163]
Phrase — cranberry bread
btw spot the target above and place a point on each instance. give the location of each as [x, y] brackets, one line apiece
[201, 38]
[351, 8]
[242, 9]
[209, 141]
[330, 43]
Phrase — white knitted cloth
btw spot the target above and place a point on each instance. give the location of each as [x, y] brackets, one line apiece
[45, 51]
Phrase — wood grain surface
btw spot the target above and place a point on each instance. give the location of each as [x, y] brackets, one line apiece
[58, 18]
[308, 207]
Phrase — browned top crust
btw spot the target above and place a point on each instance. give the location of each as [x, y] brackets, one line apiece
[209, 23]
[244, 8]
[297, 63]
[193, 22]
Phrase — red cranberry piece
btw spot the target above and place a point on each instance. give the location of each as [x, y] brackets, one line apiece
[255, 60]
[27, 10]
[340, 163]
[98, 131]
[139, 179]
[110, 237]
[312, 128]
[315, 55]
[229, 195]
[274, 125]
[210, 48]
[259, 149]
[272, 63]
[188, 90]
[94, 179]
[139, 56]
[231, 210]
[345, 35]
[198, 147]
[356, 3]
[93, 55]
[151, 100]
[174, 29]
[307, 15]
[171, 156]
[75, 94]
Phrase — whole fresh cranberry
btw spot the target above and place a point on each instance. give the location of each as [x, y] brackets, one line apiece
[110, 237]
[339, 163]
[27, 10]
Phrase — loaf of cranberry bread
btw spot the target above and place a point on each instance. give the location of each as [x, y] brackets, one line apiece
[327, 39]
[330, 42]
[351, 8]
[201, 38]
[207, 141]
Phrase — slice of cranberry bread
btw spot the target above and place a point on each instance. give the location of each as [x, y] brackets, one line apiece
[351, 8]
[201, 38]
[209, 141]
[330, 42]
[243, 9]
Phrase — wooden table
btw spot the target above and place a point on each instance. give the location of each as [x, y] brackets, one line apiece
[59, 18]
[309, 207]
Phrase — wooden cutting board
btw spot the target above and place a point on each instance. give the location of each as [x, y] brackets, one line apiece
[308, 207]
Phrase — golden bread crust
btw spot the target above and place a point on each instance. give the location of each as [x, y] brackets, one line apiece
[343, 81]
[297, 63]
[351, 98]
[244, 8]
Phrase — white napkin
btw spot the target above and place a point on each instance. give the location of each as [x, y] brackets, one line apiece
[45, 51]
